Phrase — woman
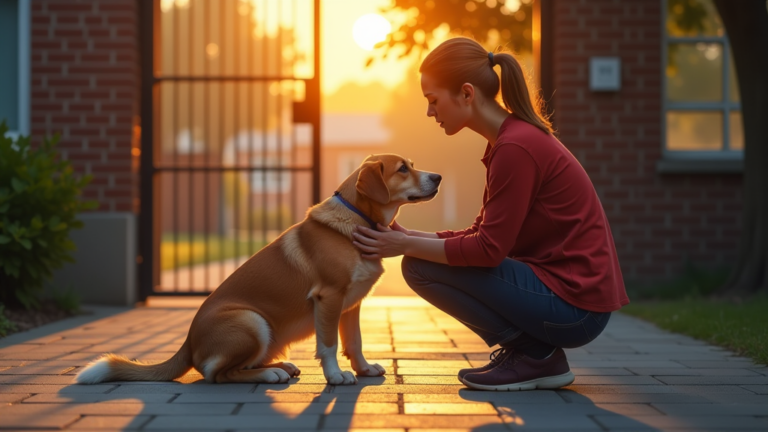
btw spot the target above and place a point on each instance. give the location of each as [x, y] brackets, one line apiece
[537, 271]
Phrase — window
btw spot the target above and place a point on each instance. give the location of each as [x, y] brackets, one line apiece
[702, 115]
[14, 75]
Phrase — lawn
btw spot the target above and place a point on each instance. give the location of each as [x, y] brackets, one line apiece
[741, 327]
[190, 250]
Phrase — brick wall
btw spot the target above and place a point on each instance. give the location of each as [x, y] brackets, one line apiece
[85, 86]
[658, 220]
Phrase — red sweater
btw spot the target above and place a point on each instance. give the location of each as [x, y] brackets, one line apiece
[540, 208]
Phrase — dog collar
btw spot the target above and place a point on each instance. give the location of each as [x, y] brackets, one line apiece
[349, 205]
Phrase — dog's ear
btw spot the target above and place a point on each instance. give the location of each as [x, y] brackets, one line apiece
[370, 182]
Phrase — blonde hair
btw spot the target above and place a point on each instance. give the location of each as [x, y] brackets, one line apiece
[462, 60]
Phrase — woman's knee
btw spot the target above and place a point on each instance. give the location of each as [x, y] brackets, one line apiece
[414, 272]
[410, 266]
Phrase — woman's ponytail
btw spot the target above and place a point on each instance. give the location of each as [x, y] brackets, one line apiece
[515, 93]
[460, 60]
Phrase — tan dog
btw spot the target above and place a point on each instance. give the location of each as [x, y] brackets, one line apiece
[310, 279]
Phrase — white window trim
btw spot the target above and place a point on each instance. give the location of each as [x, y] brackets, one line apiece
[24, 70]
[731, 157]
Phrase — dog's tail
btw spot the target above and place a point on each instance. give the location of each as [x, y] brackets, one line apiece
[111, 367]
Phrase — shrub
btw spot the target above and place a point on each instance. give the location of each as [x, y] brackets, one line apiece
[39, 203]
[6, 326]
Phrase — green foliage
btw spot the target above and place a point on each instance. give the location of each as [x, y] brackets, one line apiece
[39, 203]
[5, 324]
[694, 282]
[67, 300]
[490, 22]
[742, 326]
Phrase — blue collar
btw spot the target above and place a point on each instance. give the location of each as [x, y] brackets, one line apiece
[349, 205]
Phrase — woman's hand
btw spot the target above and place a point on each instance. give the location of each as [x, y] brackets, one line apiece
[384, 243]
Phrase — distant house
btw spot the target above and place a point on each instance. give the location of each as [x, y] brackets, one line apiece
[650, 109]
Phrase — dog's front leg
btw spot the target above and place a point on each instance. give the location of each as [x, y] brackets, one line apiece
[328, 307]
[352, 342]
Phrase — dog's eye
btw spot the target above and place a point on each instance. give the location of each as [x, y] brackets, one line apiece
[403, 168]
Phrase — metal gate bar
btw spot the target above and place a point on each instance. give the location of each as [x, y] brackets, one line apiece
[157, 168]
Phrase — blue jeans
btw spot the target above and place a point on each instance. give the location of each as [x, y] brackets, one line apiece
[501, 303]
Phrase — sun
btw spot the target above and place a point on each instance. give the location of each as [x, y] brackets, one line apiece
[369, 30]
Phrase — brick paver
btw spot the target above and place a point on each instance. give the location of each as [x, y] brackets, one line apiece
[633, 377]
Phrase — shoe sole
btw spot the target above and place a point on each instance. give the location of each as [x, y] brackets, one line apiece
[547, 383]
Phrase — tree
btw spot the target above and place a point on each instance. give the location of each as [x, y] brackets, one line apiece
[746, 23]
[490, 22]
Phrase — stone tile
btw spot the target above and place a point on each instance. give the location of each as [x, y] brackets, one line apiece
[759, 389]
[471, 396]
[458, 364]
[182, 388]
[625, 364]
[116, 409]
[614, 371]
[111, 422]
[408, 421]
[297, 388]
[467, 408]
[250, 422]
[100, 398]
[403, 388]
[303, 408]
[642, 398]
[366, 397]
[37, 422]
[693, 372]
[427, 371]
[38, 370]
[713, 409]
[704, 389]
[736, 399]
[424, 379]
[714, 423]
[714, 380]
[10, 398]
[718, 364]
[64, 389]
[615, 380]
[36, 379]
[620, 389]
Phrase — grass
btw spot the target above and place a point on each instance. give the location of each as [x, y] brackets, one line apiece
[191, 250]
[741, 327]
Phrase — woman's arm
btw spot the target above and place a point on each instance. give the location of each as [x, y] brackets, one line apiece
[413, 233]
[386, 243]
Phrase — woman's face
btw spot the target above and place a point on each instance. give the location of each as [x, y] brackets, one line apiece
[450, 110]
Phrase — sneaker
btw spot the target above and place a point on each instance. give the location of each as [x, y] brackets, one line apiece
[520, 372]
[496, 357]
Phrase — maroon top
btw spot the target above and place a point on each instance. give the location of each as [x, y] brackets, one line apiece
[540, 208]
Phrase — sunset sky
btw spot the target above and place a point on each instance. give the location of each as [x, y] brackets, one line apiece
[344, 60]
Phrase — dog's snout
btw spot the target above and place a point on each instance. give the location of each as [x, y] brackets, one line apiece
[436, 178]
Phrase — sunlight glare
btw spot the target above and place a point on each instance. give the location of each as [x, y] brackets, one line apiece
[369, 30]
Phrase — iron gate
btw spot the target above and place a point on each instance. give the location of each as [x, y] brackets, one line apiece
[230, 138]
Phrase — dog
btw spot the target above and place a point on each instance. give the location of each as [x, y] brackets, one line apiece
[311, 279]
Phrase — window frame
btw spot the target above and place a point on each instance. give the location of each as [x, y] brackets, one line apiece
[725, 106]
[23, 63]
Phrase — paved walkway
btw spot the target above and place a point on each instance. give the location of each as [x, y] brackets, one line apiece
[634, 377]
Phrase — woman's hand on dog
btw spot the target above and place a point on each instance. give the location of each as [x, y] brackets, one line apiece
[384, 243]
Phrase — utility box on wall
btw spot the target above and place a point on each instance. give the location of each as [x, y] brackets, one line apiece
[104, 271]
[604, 73]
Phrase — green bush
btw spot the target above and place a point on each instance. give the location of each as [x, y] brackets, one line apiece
[695, 281]
[39, 203]
[6, 326]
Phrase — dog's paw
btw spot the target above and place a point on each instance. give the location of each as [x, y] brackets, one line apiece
[274, 375]
[341, 378]
[291, 369]
[371, 370]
